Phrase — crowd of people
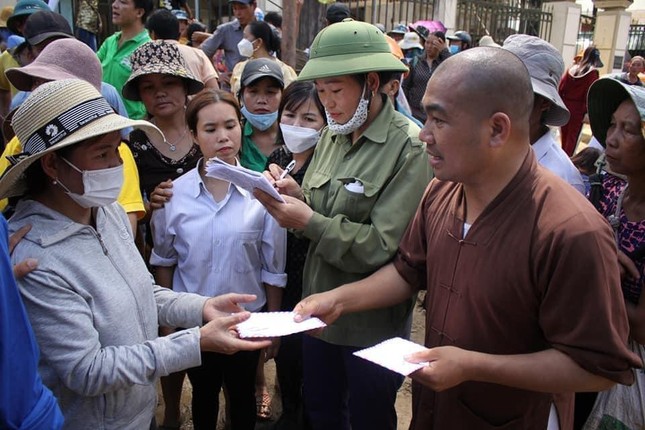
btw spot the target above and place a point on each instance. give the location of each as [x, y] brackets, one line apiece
[403, 166]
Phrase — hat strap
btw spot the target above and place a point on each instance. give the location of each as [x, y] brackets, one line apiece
[67, 123]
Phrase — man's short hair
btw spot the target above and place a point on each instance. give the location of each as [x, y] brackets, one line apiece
[146, 5]
[336, 12]
[164, 24]
[274, 18]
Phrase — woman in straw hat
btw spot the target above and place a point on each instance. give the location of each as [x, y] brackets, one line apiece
[617, 117]
[91, 301]
[362, 187]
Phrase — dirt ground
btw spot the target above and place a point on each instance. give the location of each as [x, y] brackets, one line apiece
[403, 400]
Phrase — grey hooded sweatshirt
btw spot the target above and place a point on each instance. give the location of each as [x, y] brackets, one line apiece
[95, 311]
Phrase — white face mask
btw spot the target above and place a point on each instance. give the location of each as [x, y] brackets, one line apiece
[299, 139]
[100, 187]
[245, 47]
[355, 122]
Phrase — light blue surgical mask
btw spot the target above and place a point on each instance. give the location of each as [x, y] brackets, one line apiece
[454, 49]
[261, 121]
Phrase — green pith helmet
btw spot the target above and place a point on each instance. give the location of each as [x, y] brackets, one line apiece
[347, 48]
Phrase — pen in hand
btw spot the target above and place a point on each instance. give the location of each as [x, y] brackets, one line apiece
[287, 169]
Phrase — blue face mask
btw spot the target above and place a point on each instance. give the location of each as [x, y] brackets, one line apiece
[454, 49]
[261, 121]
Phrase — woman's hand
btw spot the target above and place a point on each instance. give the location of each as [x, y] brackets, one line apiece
[161, 194]
[293, 213]
[21, 269]
[219, 335]
[225, 304]
[287, 186]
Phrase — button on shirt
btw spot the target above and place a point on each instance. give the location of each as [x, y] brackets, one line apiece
[231, 246]
[550, 155]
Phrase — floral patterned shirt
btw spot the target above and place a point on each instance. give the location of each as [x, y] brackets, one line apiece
[630, 235]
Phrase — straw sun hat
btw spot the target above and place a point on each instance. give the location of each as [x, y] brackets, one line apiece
[56, 115]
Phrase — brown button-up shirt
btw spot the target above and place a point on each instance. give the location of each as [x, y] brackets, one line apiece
[537, 270]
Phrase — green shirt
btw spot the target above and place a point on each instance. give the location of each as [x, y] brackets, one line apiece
[250, 156]
[354, 233]
[115, 61]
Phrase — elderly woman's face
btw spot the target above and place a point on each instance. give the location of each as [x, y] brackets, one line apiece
[625, 145]
[163, 95]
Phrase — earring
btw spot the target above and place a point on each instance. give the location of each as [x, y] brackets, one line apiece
[55, 182]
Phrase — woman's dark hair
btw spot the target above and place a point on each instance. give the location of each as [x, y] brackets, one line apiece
[164, 24]
[262, 30]
[585, 160]
[296, 94]
[193, 27]
[147, 6]
[36, 178]
[383, 77]
[205, 98]
[273, 18]
[590, 59]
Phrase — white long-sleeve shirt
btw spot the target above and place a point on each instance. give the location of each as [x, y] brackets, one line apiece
[550, 155]
[218, 247]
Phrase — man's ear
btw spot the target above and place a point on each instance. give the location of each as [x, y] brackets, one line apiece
[500, 129]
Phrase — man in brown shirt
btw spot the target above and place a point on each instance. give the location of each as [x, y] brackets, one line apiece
[523, 287]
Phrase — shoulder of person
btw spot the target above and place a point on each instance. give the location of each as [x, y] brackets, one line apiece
[228, 26]
[409, 131]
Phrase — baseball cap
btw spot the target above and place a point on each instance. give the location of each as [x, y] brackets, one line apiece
[399, 29]
[14, 40]
[545, 66]
[336, 12]
[241, 1]
[24, 8]
[180, 14]
[45, 24]
[261, 68]
[461, 36]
